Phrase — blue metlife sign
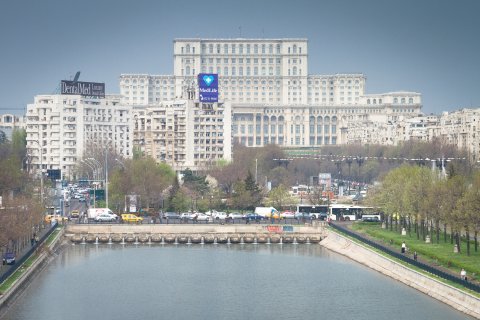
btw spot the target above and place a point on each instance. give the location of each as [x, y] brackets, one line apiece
[208, 87]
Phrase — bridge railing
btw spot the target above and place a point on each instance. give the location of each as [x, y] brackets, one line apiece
[405, 258]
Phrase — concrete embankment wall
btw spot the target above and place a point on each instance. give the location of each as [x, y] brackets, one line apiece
[452, 296]
[318, 229]
[45, 253]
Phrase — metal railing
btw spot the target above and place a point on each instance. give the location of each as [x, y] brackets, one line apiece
[405, 258]
[18, 263]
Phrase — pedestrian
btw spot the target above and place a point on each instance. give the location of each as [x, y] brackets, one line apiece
[404, 247]
[415, 255]
[463, 274]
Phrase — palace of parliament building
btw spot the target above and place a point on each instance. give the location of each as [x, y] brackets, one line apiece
[273, 98]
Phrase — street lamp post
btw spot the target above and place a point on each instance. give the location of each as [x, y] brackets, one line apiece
[99, 166]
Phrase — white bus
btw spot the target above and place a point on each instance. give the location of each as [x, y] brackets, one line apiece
[312, 212]
[349, 212]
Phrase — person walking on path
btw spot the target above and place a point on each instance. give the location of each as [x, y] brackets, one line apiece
[415, 255]
[404, 247]
[463, 274]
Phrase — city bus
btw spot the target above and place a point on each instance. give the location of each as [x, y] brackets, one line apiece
[312, 211]
[349, 212]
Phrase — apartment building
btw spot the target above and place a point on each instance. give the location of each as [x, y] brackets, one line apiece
[62, 129]
[184, 133]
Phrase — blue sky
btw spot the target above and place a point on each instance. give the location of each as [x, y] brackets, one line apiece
[431, 47]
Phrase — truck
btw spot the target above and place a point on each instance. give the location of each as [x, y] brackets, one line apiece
[92, 213]
[266, 211]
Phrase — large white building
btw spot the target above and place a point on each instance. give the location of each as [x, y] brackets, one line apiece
[61, 129]
[273, 97]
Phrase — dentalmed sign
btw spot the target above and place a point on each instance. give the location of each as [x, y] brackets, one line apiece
[83, 88]
[208, 87]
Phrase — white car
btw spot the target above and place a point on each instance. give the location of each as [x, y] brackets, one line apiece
[188, 215]
[220, 216]
[204, 217]
[287, 215]
[106, 217]
[235, 215]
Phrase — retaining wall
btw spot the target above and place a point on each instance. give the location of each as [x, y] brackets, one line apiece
[452, 296]
[317, 229]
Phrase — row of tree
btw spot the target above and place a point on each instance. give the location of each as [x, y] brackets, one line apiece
[242, 183]
[427, 203]
[21, 214]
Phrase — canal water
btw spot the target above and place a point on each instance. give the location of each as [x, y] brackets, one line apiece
[241, 281]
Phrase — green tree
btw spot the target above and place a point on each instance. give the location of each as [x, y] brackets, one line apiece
[181, 202]
[197, 184]
[142, 177]
[279, 198]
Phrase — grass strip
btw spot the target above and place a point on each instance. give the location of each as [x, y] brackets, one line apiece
[406, 264]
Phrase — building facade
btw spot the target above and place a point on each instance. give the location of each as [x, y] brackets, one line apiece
[10, 122]
[184, 133]
[273, 97]
[61, 129]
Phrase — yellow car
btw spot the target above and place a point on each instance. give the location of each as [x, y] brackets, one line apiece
[59, 218]
[275, 215]
[128, 217]
[74, 213]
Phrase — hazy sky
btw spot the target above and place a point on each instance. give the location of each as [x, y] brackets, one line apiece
[431, 47]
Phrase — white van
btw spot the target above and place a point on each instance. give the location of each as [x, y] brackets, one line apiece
[266, 211]
[92, 213]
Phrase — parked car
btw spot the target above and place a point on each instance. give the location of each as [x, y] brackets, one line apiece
[204, 217]
[220, 216]
[304, 215]
[235, 215]
[170, 215]
[274, 215]
[128, 217]
[287, 215]
[59, 218]
[253, 217]
[8, 258]
[106, 217]
[188, 215]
